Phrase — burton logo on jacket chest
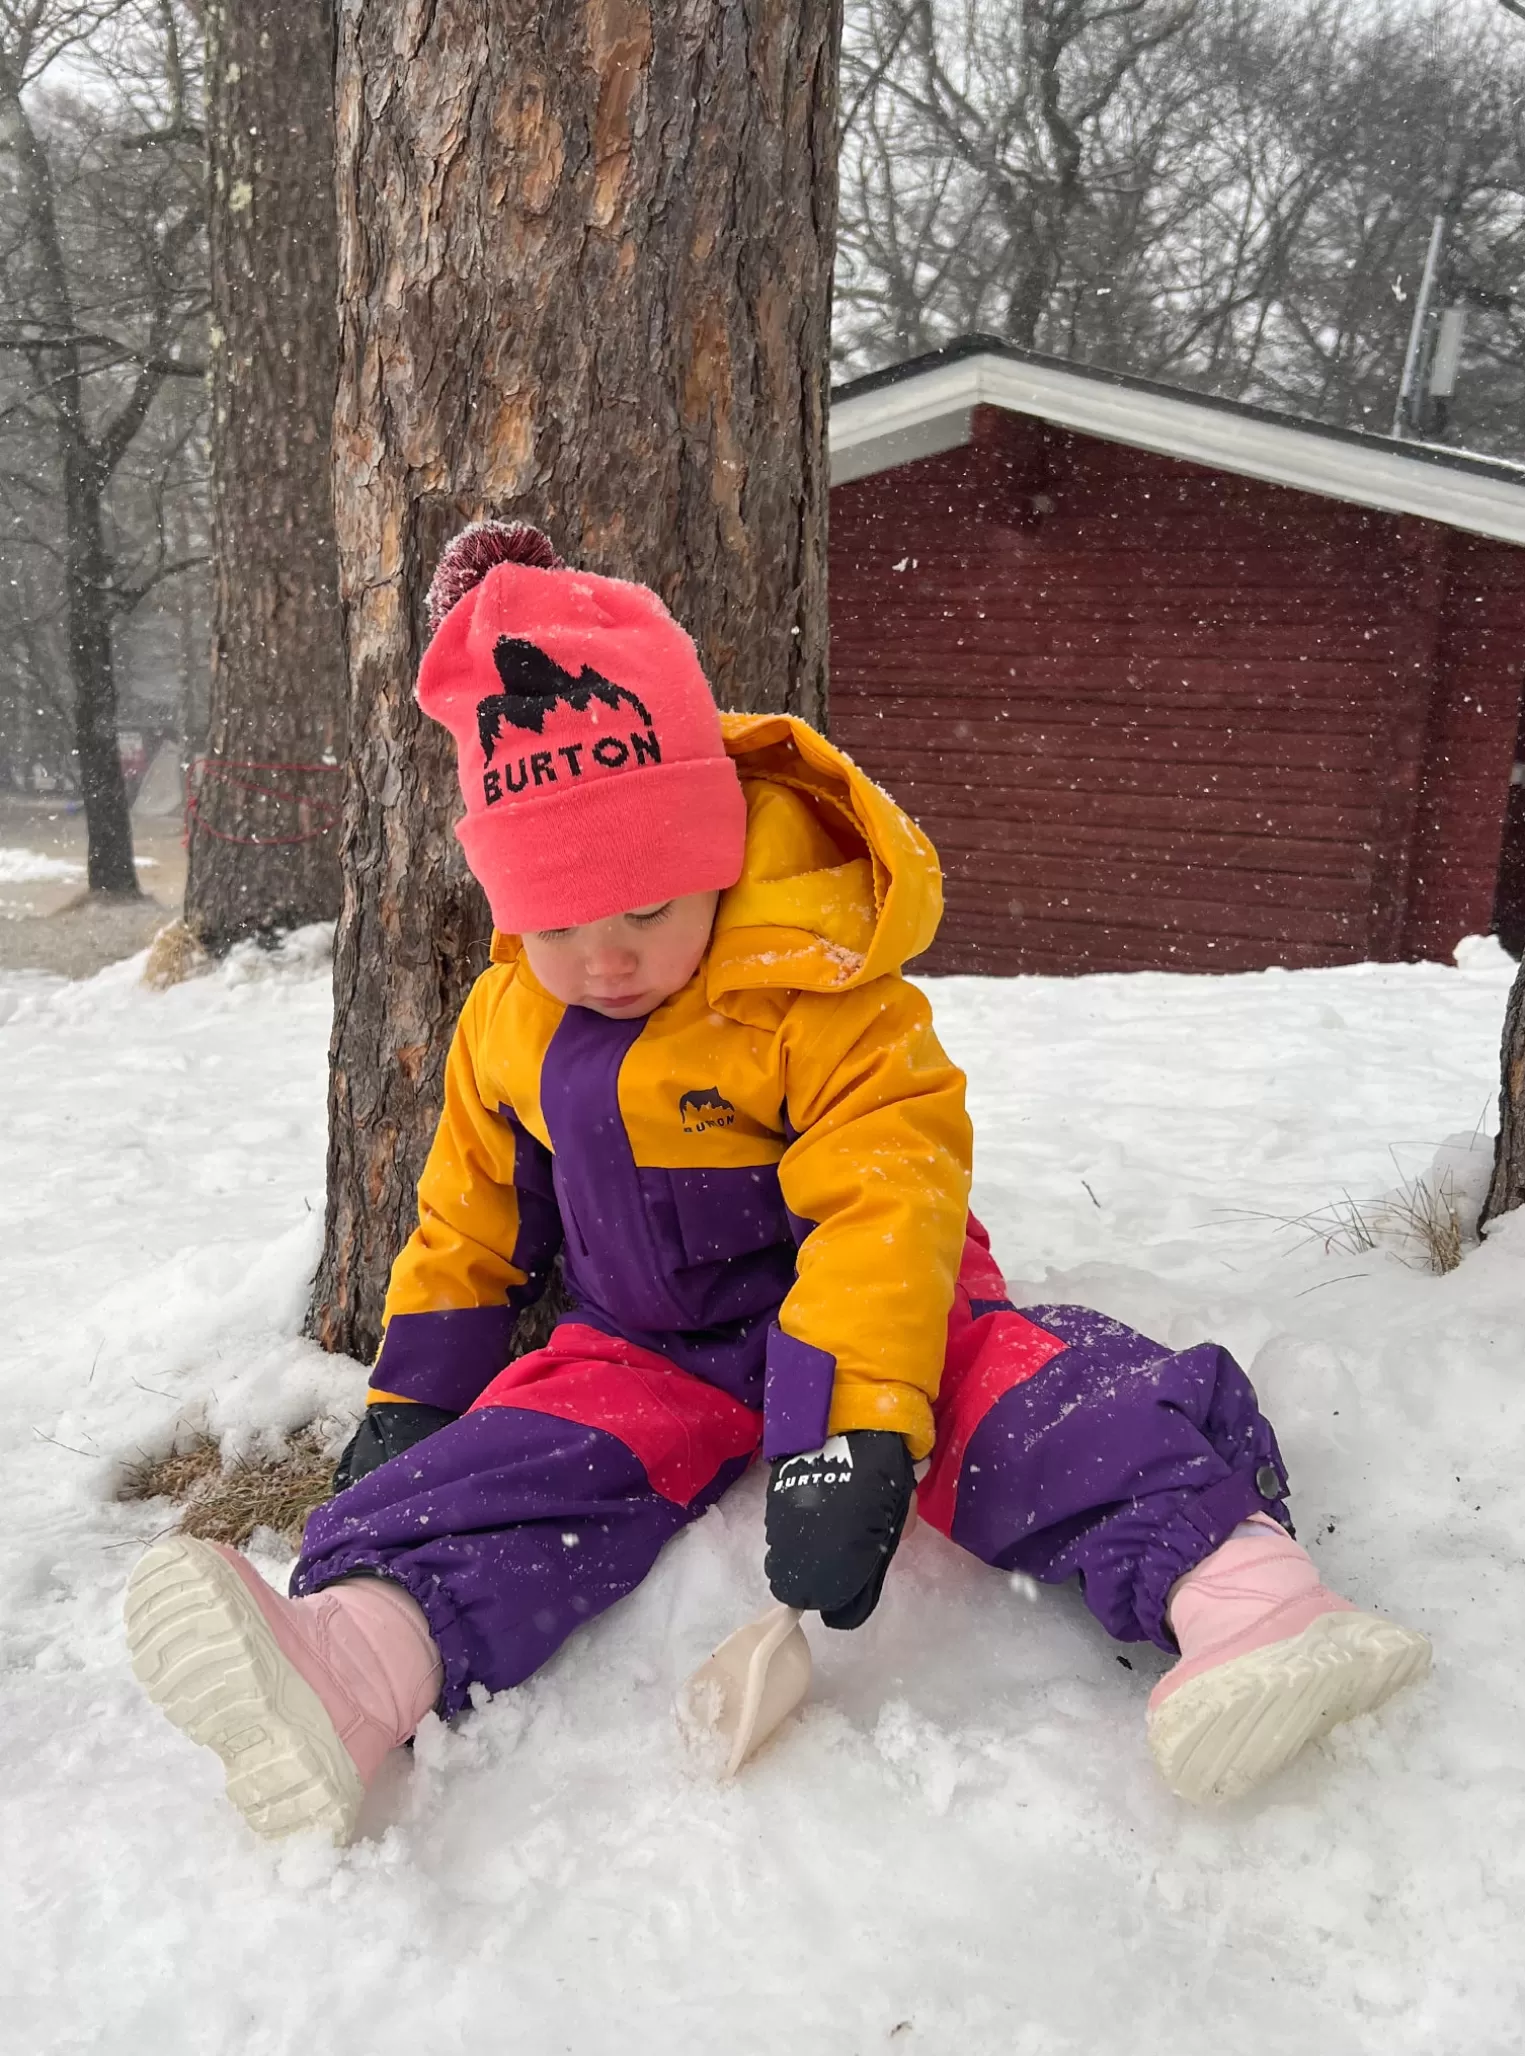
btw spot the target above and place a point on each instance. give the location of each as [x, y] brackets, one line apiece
[705, 1108]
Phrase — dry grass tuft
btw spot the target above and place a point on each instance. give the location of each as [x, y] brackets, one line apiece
[1344, 1227]
[227, 1505]
[178, 1476]
[173, 956]
[1425, 1212]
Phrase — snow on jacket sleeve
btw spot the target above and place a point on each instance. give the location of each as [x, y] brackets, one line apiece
[488, 1231]
[877, 1170]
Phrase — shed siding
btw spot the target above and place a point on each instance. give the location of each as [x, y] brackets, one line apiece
[1153, 716]
[1470, 746]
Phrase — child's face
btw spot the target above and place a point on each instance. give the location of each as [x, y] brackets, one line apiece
[627, 965]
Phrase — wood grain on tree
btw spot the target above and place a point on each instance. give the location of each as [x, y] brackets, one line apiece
[264, 843]
[585, 265]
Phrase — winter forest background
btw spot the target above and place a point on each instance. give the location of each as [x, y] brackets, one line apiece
[1226, 195]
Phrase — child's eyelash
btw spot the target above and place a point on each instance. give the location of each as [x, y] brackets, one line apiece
[650, 920]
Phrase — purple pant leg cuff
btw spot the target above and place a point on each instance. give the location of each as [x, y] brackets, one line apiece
[429, 1595]
[797, 1392]
[1193, 1532]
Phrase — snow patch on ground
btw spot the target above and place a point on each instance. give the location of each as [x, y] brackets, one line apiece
[31, 867]
[27, 867]
[960, 1846]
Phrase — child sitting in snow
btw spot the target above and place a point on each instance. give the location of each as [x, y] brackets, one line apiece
[695, 1069]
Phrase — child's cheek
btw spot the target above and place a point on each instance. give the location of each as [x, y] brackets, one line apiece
[559, 971]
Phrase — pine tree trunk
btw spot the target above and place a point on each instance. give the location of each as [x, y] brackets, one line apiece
[585, 263]
[1507, 1190]
[266, 798]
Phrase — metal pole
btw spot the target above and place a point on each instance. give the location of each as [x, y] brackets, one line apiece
[1445, 358]
[1401, 412]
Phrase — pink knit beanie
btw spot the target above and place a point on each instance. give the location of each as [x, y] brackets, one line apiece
[591, 760]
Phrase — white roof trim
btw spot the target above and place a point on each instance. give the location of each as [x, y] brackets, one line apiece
[929, 411]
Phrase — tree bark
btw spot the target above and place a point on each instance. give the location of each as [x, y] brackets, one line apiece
[266, 798]
[109, 865]
[585, 262]
[1507, 1189]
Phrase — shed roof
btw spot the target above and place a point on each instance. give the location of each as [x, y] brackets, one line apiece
[919, 408]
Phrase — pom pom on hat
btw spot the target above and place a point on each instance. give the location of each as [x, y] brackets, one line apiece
[588, 742]
[468, 557]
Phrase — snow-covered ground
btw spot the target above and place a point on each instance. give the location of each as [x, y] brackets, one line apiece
[28, 867]
[960, 1849]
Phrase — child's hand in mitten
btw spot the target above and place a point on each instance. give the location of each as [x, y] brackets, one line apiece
[389, 1427]
[834, 1517]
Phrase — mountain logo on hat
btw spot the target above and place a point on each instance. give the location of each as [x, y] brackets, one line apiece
[535, 684]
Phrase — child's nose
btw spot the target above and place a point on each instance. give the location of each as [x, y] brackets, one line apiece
[610, 954]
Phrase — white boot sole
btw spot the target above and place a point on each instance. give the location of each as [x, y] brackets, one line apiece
[203, 1652]
[1227, 1730]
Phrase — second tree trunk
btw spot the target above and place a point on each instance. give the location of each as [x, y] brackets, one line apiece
[266, 798]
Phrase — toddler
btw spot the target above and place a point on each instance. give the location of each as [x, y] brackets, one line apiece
[695, 1070]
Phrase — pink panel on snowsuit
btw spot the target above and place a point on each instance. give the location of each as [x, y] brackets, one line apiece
[680, 1428]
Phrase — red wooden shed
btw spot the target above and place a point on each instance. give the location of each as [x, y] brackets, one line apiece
[1175, 683]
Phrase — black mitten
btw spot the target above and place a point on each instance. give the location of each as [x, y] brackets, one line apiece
[390, 1426]
[834, 1518]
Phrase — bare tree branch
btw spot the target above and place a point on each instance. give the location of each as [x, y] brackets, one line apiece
[1212, 191]
[102, 282]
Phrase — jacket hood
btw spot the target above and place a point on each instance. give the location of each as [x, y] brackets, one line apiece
[838, 886]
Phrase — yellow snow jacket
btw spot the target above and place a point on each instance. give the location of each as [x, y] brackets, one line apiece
[766, 1180]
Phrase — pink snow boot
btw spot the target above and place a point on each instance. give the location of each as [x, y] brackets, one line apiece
[301, 1698]
[1270, 1660]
